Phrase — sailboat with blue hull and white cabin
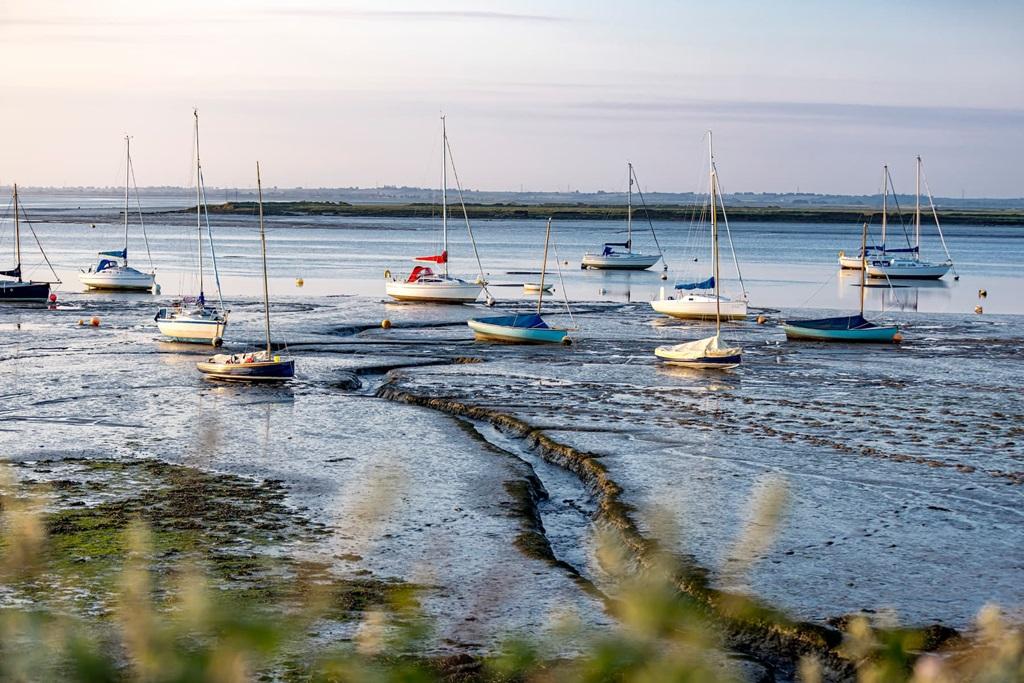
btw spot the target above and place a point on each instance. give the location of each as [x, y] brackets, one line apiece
[254, 366]
[710, 352]
[18, 289]
[112, 271]
[193, 319]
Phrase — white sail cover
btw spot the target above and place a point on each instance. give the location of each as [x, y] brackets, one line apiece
[710, 348]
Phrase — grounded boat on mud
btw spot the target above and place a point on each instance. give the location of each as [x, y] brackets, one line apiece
[19, 289]
[611, 259]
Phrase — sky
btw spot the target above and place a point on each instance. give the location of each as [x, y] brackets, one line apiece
[539, 95]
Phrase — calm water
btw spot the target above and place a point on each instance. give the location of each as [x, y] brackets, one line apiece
[905, 464]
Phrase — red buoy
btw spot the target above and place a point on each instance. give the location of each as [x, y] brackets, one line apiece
[53, 297]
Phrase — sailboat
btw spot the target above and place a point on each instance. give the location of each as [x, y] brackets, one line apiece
[882, 261]
[255, 366]
[19, 289]
[522, 328]
[112, 271]
[609, 258]
[192, 319]
[911, 266]
[423, 283]
[709, 352]
[847, 328]
[702, 299]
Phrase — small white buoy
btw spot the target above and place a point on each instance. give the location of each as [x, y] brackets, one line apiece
[155, 289]
[490, 301]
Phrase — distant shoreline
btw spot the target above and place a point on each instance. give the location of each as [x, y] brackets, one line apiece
[767, 214]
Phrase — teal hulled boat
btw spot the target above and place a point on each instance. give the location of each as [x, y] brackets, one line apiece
[844, 328]
[847, 328]
[523, 328]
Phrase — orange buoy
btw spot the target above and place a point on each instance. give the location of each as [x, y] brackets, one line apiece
[979, 310]
[94, 321]
[299, 282]
[81, 322]
[897, 338]
[386, 324]
[761, 320]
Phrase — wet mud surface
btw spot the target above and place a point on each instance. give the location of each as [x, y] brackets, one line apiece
[904, 464]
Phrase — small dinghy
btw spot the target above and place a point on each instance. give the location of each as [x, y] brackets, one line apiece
[709, 352]
[534, 287]
[254, 366]
[523, 328]
[845, 328]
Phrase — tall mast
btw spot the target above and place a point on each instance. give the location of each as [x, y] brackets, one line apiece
[863, 265]
[127, 168]
[199, 204]
[444, 191]
[263, 245]
[917, 209]
[885, 202]
[17, 234]
[629, 209]
[543, 267]
[714, 237]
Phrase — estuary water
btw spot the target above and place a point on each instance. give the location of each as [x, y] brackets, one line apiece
[904, 464]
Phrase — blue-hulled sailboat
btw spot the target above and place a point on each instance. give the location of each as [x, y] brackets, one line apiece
[846, 328]
[254, 366]
[19, 289]
[522, 328]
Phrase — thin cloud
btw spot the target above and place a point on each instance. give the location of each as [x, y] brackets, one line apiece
[419, 15]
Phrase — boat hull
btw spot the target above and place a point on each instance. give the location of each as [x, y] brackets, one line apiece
[118, 279]
[911, 270]
[624, 261]
[485, 331]
[830, 330]
[851, 262]
[24, 291]
[716, 363]
[446, 292]
[266, 371]
[698, 307]
[192, 329]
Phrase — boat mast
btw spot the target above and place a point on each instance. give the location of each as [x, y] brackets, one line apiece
[127, 168]
[917, 210]
[863, 265]
[263, 245]
[17, 234]
[444, 192]
[629, 210]
[543, 267]
[714, 237]
[885, 202]
[199, 205]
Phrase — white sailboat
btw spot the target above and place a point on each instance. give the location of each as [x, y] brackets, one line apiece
[254, 366]
[193, 319]
[882, 261]
[702, 299]
[709, 352]
[609, 258]
[423, 284]
[112, 271]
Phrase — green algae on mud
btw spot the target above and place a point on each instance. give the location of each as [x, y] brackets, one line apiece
[239, 533]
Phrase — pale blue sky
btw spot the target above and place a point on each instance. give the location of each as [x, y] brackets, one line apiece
[544, 95]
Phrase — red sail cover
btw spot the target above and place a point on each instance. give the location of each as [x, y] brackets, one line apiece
[439, 258]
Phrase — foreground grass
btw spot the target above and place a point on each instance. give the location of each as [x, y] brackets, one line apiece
[142, 571]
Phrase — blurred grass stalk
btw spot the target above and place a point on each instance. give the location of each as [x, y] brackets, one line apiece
[184, 633]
